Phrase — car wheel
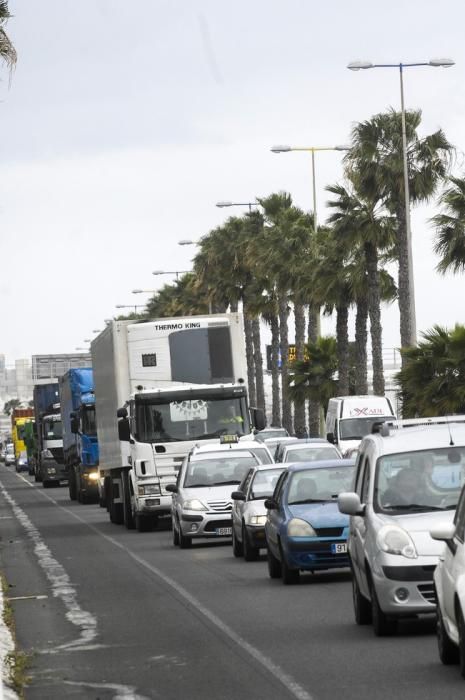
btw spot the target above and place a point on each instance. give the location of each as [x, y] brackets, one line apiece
[383, 626]
[184, 542]
[274, 565]
[238, 549]
[461, 627]
[175, 533]
[448, 651]
[362, 607]
[289, 576]
[250, 553]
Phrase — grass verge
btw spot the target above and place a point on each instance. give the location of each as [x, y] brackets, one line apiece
[17, 662]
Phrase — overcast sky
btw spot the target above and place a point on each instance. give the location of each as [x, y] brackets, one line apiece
[126, 121]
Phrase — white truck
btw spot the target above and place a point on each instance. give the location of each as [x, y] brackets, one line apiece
[162, 386]
[350, 418]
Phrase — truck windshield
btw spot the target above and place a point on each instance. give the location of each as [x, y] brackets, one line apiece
[89, 425]
[357, 428]
[52, 430]
[194, 419]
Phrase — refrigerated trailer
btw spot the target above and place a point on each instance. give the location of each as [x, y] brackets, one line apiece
[162, 386]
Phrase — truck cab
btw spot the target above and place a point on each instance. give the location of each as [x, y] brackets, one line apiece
[350, 418]
[51, 468]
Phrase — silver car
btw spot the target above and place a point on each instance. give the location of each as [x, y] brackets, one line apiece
[308, 451]
[407, 483]
[249, 512]
[201, 505]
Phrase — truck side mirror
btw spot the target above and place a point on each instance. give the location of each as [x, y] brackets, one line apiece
[122, 412]
[74, 423]
[330, 437]
[124, 432]
[258, 418]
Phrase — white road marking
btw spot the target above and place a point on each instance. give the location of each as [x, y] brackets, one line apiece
[123, 692]
[28, 597]
[59, 580]
[284, 678]
[7, 646]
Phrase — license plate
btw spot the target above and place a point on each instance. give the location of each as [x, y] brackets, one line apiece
[339, 548]
[223, 531]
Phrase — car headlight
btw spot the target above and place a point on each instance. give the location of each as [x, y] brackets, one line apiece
[193, 504]
[257, 519]
[300, 528]
[394, 540]
[51, 470]
[149, 489]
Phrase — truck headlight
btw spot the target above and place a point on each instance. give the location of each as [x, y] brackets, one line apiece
[193, 504]
[149, 489]
[300, 528]
[51, 470]
[257, 519]
[92, 476]
[394, 540]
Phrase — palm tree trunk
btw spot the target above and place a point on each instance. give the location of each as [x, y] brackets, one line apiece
[361, 335]
[299, 405]
[284, 348]
[275, 392]
[258, 364]
[403, 280]
[342, 337]
[314, 407]
[250, 360]
[374, 310]
[234, 306]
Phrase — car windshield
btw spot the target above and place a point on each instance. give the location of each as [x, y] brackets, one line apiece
[264, 482]
[311, 454]
[319, 485]
[357, 428]
[261, 454]
[409, 482]
[219, 470]
[265, 434]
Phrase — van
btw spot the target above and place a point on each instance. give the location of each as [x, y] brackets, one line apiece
[350, 418]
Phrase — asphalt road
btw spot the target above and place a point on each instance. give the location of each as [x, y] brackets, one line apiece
[111, 613]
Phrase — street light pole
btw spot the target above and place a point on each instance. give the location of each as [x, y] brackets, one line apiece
[221, 205]
[435, 63]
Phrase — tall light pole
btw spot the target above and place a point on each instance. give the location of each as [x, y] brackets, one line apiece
[312, 150]
[222, 205]
[145, 291]
[435, 63]
[171, 272]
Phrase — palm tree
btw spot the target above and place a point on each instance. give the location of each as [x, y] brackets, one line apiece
[374, 165]
[10, 406]
[432, 378]
[450, 228]
[7, 50]
[361, 225]
[314, 378]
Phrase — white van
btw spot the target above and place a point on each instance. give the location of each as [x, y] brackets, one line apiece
[350, 418]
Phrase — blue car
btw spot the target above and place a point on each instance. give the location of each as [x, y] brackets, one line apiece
[304, 529]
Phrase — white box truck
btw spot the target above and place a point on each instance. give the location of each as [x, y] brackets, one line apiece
[162, 386]
[350, 418]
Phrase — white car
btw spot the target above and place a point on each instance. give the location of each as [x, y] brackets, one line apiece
[308, 451]
[449, 580]
[201, 504]
[249, 512]
[407, 482]
[259, 449]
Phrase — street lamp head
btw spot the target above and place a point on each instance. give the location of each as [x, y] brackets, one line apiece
[342, 147]
[224, 204]
[158, 272]
[119, 306]
[186, 241]
[359, 65]
[96, 330]
[280, 149]
[441, 62]
[87, 340]
[137, 291]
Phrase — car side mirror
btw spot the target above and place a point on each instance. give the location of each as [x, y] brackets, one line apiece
[349, 503]
[171, 488]
[270, 504]
[445, 533]
[238, 496]
[330, 437]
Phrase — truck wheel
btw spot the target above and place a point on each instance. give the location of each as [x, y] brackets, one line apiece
[116, 509]
[143, 523]
[46, 484]
[127, 508]
[72, 486]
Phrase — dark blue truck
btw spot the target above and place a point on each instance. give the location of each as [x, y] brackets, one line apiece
[80, 446]
[48, 463]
